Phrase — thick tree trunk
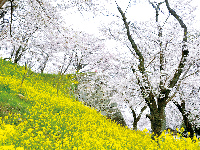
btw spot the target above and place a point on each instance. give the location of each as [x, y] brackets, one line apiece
[188, 126]
[157, 113]
[158, 123]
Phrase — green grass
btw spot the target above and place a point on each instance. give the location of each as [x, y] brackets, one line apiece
[11, 103]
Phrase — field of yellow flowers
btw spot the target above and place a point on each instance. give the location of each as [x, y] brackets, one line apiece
[54, 120]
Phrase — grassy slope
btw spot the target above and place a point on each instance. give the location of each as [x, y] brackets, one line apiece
[49, 119]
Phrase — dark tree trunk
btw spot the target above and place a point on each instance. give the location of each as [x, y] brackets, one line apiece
[157, 112]
[188, 125]
[136, 119]
[42, 67]
[18, 54]
[158, 122]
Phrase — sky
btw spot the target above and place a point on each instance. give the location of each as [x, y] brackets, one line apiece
[141, 11]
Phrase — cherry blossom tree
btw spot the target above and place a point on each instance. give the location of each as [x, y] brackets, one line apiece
[159, 75]
[93, 90]
[28, 18]
[38, 35]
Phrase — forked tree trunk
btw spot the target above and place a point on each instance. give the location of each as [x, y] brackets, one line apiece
[136, 119]
[157, 113]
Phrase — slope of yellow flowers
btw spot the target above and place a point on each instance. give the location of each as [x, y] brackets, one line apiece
[61, 123]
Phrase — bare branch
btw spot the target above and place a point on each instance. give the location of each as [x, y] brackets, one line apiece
[126, 44]
[145, 86]
[152, 60]
[172, 12]
[166, 20]
[184, 47]
[157, 8]
[178, 86]
[68, 65]
[191, 74]
[134, 46]
[128, 6]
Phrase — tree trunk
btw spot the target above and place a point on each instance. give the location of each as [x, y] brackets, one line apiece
[188, 125]
[157, 113]
[136, 119]
[158, 122]
[18, 54]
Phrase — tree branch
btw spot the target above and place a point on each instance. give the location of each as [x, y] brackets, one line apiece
[152, 60]
[145, 89]
[2, 2]
[184, 47]
[178, 86]
[143, 108]
[134, 46]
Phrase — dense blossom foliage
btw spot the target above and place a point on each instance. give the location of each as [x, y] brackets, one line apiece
[58, 122]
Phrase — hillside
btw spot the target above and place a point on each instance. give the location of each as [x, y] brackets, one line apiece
[39, 113]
